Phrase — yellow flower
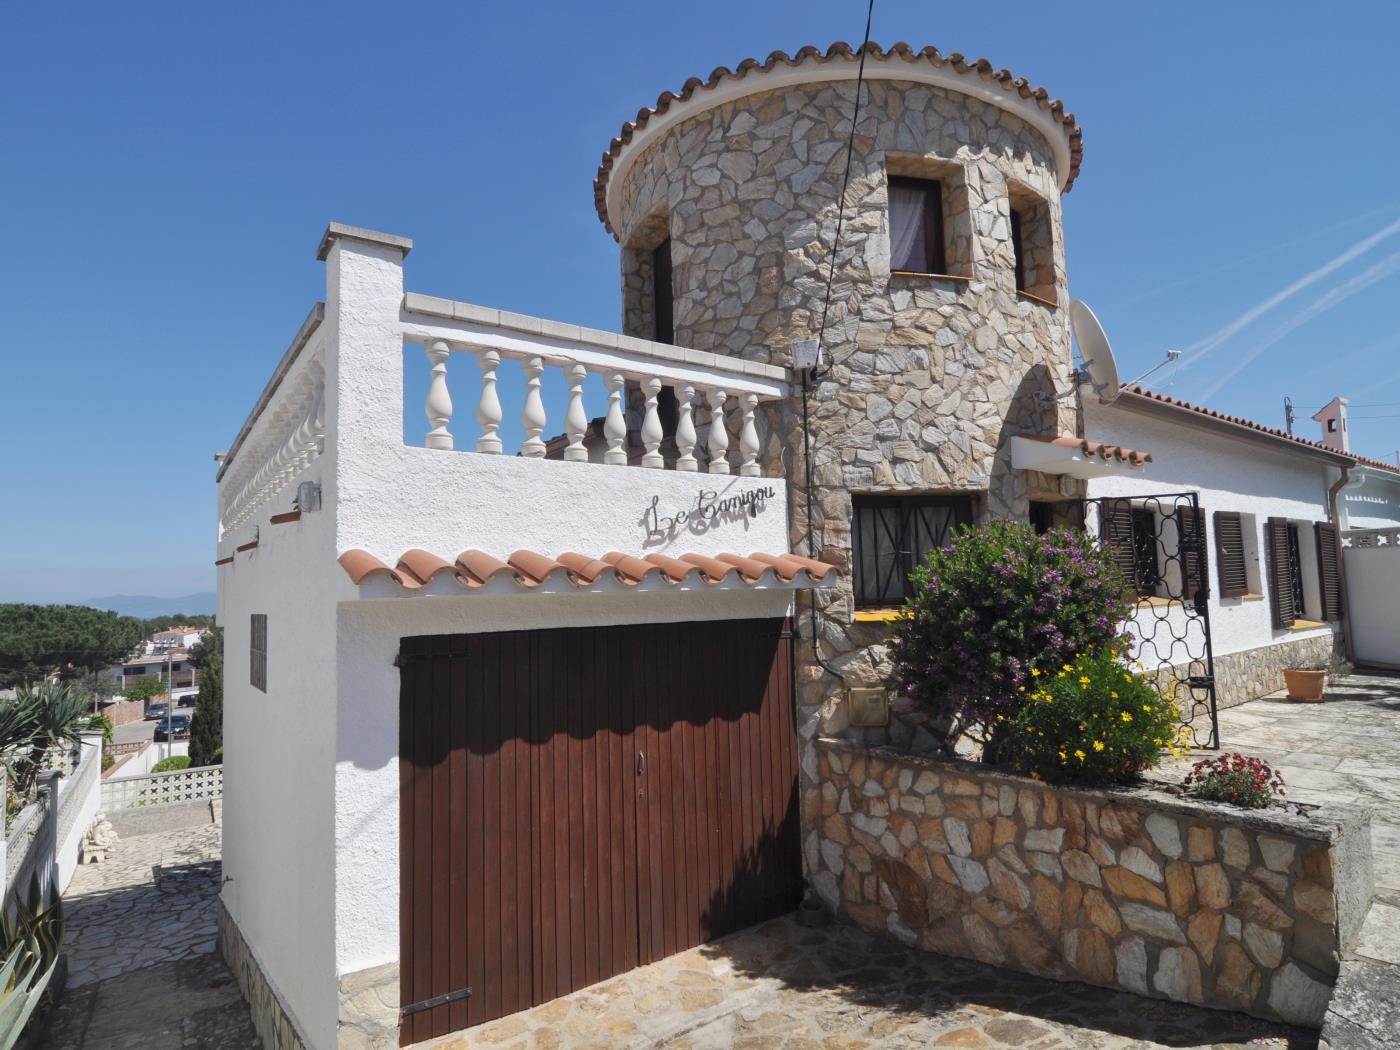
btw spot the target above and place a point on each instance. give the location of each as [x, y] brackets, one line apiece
[1112, 695]
[1126, 717]
[1127, 678]
[1035, 775]
[1063, 756]
[1079, 754]
[1067, 667]
[1001, 718]
[1020, 689]
[1098, 745]
[1035, 672]
[1147, 708]
[1084, 679]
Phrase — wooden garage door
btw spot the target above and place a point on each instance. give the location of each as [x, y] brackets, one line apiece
[574, 803]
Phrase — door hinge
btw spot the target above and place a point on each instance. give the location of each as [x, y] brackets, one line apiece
[1201, 681]
[437, 1000]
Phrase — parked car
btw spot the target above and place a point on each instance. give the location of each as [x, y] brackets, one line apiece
[187, 700]
[173, 727]
[157, 711]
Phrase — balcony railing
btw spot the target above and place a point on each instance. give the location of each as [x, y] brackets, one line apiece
[715, 397]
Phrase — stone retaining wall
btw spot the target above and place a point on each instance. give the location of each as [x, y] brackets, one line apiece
[276, 1030]
[1253, 673]
[1139, 890]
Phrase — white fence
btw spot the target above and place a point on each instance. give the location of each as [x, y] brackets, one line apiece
[1371, 561]
[45, 836]
[163, 789]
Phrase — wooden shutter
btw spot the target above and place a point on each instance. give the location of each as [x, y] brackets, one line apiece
[1229, 554]
[1280, 574]
[1191, 549]
[257, 652]
[1116, 534]
[1328, 572]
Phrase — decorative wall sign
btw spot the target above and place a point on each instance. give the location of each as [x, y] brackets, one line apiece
[708, 511]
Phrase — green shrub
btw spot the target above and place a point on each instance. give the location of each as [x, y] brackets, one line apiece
[108, 761]
[1093, 722]
[218, 757]
[1236, 779]
[997, 604]
[102, 724]
[174, 762]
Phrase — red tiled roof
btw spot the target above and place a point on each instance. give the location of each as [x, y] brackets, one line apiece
[980, 67]
[473, 568]
[1096, 449]
[1210, 413]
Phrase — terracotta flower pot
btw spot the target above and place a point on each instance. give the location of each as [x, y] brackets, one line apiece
[1306, 684]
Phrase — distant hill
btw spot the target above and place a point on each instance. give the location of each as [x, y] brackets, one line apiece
[144, 606]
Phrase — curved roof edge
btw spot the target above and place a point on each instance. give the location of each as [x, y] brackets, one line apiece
[978, 78]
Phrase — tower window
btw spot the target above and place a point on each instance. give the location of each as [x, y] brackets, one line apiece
[916, 226]
[662, 302]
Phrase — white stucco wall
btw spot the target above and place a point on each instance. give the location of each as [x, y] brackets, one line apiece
[1371, 499]
[1232, 474]
[1373, 602]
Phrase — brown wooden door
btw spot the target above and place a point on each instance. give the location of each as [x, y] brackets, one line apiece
[576, 802]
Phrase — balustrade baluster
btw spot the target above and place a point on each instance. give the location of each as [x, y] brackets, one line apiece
[615, 427]
[651, 426]
[439, 406]
[719, 437]
[488, 409]
[685, 430]
[533, 417]
[748, 438]
[576, 420]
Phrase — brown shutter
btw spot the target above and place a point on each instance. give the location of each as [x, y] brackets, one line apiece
[1280, 574]
[1229, 554]
[1327, 570]
[1116, 534]
[1191, 548]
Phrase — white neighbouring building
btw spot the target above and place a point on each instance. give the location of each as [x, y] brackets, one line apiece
[1276, 511]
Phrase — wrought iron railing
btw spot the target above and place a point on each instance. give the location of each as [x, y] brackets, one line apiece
[163, 789]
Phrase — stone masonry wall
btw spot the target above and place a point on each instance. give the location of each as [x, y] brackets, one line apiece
[929, 377]
[275, 1029]
[1136, 890]
[1253, 673]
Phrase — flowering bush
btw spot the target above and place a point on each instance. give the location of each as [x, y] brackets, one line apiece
[1093, 722]
[996, 604]
[1237, 779]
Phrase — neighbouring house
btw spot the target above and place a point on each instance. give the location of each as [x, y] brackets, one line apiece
[1268, 512]
[173, 667]
[548, 708]
[173, 638]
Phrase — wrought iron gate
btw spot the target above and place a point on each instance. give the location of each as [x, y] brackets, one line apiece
[1159, 542]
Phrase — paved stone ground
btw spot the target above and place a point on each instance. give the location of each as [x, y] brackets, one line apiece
[143, 973]
[1346, 749]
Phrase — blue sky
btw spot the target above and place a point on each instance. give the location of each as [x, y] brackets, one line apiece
[170, 167]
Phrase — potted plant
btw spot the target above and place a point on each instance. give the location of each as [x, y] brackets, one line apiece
[1306, 683]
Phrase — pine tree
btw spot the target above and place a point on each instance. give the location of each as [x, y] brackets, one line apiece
[207, 726]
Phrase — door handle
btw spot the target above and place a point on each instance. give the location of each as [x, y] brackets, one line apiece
[641, 764]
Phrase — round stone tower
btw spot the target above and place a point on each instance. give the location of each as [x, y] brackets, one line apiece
[946, 331]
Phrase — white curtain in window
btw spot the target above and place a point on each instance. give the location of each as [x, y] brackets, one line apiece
[907, 248]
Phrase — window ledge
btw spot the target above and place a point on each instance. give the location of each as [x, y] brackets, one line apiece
[1157, 600]
[1305, 625]
[931, 276]
[1252, 597]
[878, 615]
[1037, 299]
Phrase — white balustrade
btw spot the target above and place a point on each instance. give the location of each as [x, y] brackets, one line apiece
[533, 417]
[488, 409]
[651, 426]
[615, 427]
[439, 406]
[748, 437]
[685, 429]
[719, 437]
[576, 420]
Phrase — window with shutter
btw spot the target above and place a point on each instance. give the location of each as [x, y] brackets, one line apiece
[1116, 534]
[892, 534]
[1191, 549]
[1329, 576]
[1229, 554]
[1280, 536]
[257, 651]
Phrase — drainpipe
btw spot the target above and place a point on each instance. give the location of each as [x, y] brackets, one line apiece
[1334, 514]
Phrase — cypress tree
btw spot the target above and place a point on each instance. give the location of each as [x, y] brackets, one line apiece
[207, 726]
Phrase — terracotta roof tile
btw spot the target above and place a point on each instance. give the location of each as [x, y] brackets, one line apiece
[1095, 449]
[472, 569]
[1152, 395]
[981, 67]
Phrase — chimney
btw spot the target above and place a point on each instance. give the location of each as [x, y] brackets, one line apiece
[1333, 417]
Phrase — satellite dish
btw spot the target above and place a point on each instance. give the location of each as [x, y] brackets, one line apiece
[1098, 367]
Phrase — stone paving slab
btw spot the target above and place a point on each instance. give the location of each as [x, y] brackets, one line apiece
[143, 972]
[782, 987]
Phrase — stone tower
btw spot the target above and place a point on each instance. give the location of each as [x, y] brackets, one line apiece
[946, 331]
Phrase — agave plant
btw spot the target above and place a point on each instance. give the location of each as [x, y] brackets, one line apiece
[29, 946]
[57, 714]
